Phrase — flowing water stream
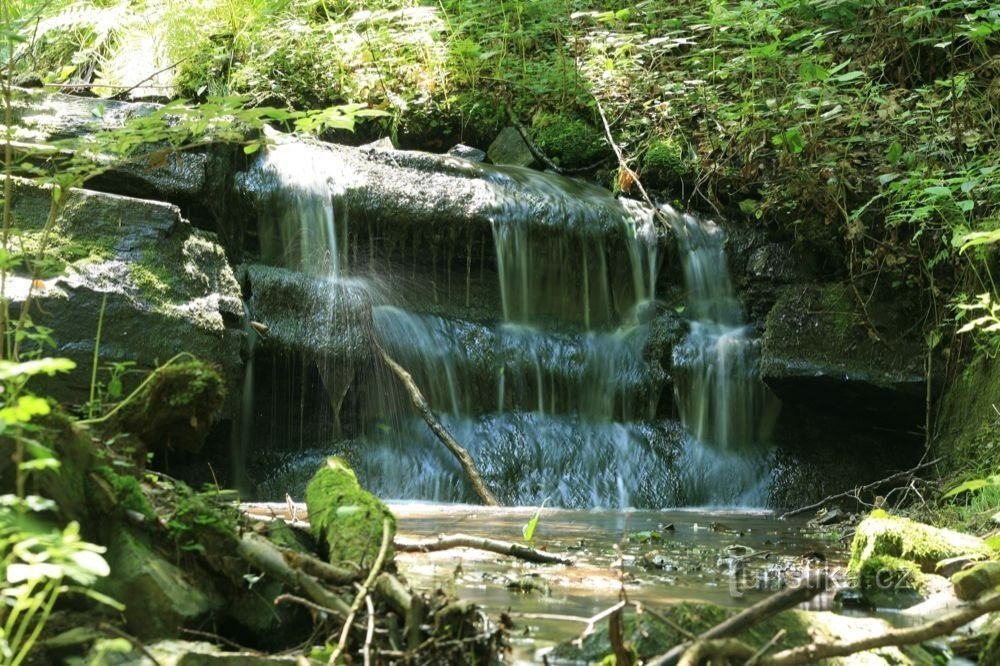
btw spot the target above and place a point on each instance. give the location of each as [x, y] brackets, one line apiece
[555, 395]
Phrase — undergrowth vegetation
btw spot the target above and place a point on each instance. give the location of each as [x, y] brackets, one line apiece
[864, 129]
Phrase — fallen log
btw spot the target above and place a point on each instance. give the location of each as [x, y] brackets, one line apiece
[438, 428]
[448, 541]
[774, 604]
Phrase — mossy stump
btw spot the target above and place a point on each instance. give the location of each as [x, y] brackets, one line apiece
[883, 535]
[345, 517]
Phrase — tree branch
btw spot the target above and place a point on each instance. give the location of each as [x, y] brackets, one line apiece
[447, 541]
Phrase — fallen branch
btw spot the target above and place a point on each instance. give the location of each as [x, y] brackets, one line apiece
[857, 491]
[774, 604]
[420, 402]
[810, 654]
[657, 213]
[448, 541]
[265, 556]
[718, 651]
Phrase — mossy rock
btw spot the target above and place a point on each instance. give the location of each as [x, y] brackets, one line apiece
[176, 409]
[567, 141]
[158, 595]
[890, 582]
[973, 582]
[970, 430]
[881, 534]
[664, 163]
[345, 517]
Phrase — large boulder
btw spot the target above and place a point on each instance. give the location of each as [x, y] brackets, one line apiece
[155, 285]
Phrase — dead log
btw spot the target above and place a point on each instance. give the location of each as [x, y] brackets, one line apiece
[448, 541]
[442, 433]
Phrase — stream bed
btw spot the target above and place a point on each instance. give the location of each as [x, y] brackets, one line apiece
[726, 557]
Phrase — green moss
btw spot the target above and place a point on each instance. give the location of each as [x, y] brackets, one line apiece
[176, 408]
[886, 571]
[344, 517]
[973, 582]
[883, 535]
[970, 427]
[664, 162]
[568, 141]
[127, 491]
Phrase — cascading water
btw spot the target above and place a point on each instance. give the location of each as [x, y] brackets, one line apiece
[557, 399]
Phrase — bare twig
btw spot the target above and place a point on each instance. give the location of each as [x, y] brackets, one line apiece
[262, 554]
[136, 643]
[857, 491]
[447, 541]
[777, 638]
[370, 633]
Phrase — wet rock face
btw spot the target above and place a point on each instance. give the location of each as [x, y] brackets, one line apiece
[161, 286]
[846, 387]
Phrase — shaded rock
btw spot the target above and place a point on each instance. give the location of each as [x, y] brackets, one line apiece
[346, 518]
[973, 582]
[158, 596]
[168, 287]
[467, 153]
[950, 566]
[881, 534]
[182, 178]
[969, 428]
[321, 317]
[839, 384]
[510, 148]
[385, 143]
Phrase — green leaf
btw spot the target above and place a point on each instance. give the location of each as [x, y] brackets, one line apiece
[967, 487]
[26, 407]
[938, 191]
[48, 366]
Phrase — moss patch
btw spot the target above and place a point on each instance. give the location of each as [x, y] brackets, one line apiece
[883, 535]
[973, 582]
[970, 427]
[345, 517]
[567, 141]
[664, 162]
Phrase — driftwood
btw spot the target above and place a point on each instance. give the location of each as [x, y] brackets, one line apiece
[445, 542]
[857, 491]
[774, 604]
[442, 433]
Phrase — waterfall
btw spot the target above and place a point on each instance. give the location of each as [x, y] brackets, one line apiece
[550, 390]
